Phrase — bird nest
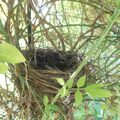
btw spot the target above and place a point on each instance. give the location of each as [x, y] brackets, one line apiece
[42, 69]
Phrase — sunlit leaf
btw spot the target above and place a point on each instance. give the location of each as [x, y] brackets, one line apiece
[95, 86]
[98, 92]
[45, 100]
[78, 97]
[10, 54]
[60, 81]
[81, 82]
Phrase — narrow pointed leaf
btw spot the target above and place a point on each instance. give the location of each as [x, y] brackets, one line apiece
[45, 100]
[60, 81]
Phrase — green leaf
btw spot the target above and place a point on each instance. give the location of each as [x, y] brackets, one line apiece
[10, 54]
[97, 92]
[64, 91]
[60, 81]
[95, 86]
[81, 82]
[69, 83]
[54, 107]
[51, 107]
[3, 68]
[78, 98]
[45, 100]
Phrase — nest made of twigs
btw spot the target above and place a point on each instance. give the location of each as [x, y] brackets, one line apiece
[44, 66]
[41, 71]
[43, 81]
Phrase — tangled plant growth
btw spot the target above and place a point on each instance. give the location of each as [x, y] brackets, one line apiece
[90, 27]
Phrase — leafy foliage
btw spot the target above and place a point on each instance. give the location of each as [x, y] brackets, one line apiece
[9, 54]
[87, 26]
[60, 81]
[96, 91]
[81, 82]
[45, 100]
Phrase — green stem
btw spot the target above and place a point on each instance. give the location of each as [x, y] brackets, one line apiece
[56, 97]
[98, 43]
[91, 52]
